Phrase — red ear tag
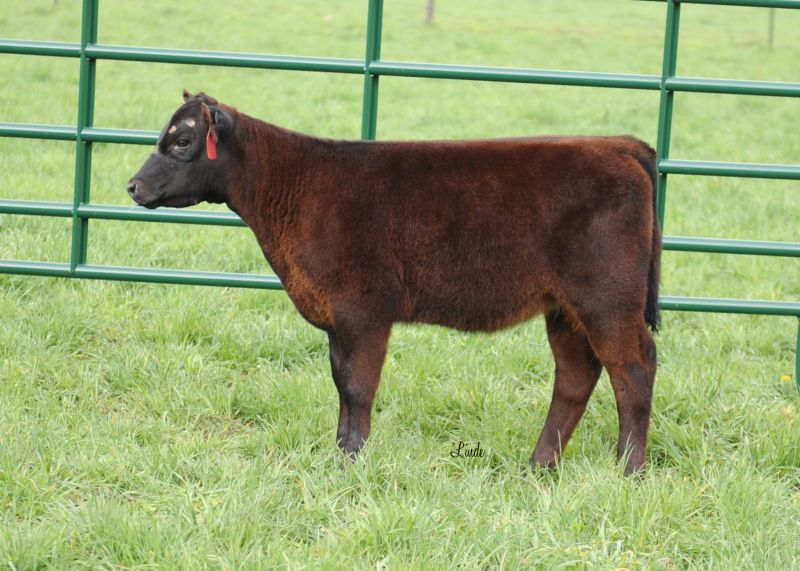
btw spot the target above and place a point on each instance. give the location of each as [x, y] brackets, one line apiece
[211, 147]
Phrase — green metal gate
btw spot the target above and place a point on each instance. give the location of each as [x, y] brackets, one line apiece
[372, 67]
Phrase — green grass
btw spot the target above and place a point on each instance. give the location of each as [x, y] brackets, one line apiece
[151, 426]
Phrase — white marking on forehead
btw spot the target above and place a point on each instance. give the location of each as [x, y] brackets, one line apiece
[190, 122]
[172, 129]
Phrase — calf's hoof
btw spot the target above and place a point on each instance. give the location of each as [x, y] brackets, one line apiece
[544, 460]
[635, 470]
[543, 466]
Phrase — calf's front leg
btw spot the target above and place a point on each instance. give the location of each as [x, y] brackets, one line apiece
[357, 356]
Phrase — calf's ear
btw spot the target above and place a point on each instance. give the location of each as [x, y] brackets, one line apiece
[186, 95]
[222, 121]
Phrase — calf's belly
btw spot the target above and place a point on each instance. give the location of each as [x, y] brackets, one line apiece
[481, 300]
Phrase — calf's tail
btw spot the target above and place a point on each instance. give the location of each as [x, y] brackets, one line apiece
[652, 314]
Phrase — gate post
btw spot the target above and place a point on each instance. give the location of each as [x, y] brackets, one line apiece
[369, 112]
[665, 104]
[83, 149]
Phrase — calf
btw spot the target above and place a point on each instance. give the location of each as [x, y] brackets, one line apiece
[474, 235]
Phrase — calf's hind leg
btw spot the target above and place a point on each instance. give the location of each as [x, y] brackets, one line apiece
[628, 352]
[577, 371]
[356, 361]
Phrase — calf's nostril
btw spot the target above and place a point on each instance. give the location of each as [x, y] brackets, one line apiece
[131, 187]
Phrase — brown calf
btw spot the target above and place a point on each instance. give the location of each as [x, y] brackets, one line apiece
[475, 235]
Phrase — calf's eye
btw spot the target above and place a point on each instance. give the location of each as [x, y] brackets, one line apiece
[182, 143]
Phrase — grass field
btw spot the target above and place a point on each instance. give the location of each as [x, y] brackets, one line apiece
[164, 427]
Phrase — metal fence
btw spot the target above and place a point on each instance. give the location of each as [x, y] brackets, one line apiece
[372, 67]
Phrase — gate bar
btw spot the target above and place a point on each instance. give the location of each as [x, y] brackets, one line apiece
[716, 168]
[405, 68]
[226, 59]
[40, 48]
[748, 3]
[733, 86]
[514, 75]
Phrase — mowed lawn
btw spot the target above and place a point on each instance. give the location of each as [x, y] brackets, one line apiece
[166, 427]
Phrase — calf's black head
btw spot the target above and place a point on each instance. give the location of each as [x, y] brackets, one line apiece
[191, 158]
